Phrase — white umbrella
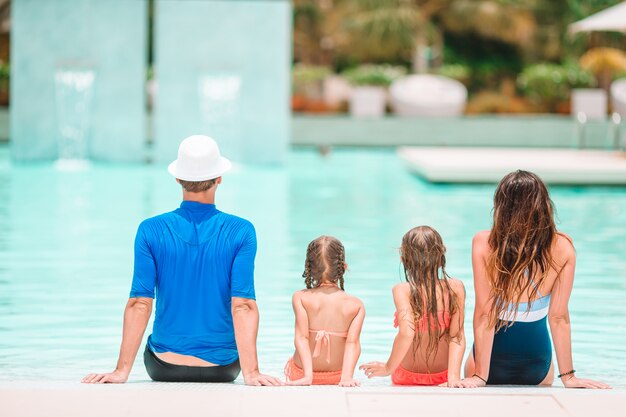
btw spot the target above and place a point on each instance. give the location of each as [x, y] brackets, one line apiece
[611, 19]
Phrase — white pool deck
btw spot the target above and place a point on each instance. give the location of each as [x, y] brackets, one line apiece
[68, 399]
[489, 165]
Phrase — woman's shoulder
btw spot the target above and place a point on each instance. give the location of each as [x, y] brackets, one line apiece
[481, 240]
[563, 238]
[563, 246]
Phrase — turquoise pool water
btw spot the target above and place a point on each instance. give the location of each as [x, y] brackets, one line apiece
[66, 253]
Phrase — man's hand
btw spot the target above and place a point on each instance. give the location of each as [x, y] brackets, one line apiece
[258, 379]
[115, 377]
[136, 316]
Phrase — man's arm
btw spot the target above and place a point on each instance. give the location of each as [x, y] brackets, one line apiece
[246, 323]
[136, 316]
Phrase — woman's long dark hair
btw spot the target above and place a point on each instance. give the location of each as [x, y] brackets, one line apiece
[520, 240]
[424, 262]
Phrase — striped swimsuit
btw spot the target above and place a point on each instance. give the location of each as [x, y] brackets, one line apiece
[522, 353]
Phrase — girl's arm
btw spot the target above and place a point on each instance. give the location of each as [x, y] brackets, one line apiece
[483, 332]
[558, 317]
[404, 338]
[301, 341]
[457, 336]
[353, 349]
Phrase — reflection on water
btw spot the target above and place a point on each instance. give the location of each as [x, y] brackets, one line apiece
[67, 263]
[74, 91]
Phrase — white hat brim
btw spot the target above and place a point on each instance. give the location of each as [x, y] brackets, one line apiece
[220, 168]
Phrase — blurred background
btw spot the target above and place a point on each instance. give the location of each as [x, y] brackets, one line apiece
[513, 56]
[163, 69]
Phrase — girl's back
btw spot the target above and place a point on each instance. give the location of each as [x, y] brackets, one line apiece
[328, 321]
[429, 346]
[418, 358]
[330, 312]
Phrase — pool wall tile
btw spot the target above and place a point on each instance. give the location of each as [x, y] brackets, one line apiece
[107, 38]
[223, 69]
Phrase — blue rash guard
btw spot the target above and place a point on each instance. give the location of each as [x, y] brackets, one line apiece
[195, 259]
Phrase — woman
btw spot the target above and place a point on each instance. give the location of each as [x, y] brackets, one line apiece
[523, 277]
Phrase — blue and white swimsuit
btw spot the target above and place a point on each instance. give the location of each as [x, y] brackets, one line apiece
[522, 353]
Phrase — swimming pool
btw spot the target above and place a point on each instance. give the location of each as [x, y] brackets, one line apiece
[66, 253]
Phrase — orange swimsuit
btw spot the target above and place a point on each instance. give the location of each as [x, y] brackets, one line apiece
[322, 337]
[402, 376]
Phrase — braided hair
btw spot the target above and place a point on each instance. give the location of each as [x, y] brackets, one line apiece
[325, 260]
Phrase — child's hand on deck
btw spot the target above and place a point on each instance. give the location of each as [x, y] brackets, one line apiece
[373, 369]
[456, 383]
[349, 383]
[472, 382]
[301, 382]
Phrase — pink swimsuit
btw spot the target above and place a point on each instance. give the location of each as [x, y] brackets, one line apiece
[322, 339]
[403, 376]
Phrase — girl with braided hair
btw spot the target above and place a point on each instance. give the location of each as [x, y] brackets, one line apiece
[328, 320]
[429, 346]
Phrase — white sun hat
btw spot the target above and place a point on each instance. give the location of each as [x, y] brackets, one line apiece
[199, 159]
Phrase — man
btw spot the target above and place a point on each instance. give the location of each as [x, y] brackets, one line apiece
[200, 263]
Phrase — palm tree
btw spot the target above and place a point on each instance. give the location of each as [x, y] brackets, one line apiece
[509, 21]
[387, 29]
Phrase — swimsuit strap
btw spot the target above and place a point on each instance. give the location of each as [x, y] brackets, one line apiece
[443, 320]
[322, 337]
[532, 282]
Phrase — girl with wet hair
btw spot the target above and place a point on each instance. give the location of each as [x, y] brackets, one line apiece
[523, 278]
[328, 320]
[429, 346]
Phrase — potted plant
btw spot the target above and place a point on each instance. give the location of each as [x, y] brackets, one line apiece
[369, 93]
[308, 82]
[459, 72]
[550, 85]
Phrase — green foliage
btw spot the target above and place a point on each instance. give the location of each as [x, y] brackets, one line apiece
[5, 70]
[459, 72]
[379, 75]
[578, 77]
[302, 73]
[550, 84]
[490, 60]
[381, 30]
[483, 43]
[308, 79]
